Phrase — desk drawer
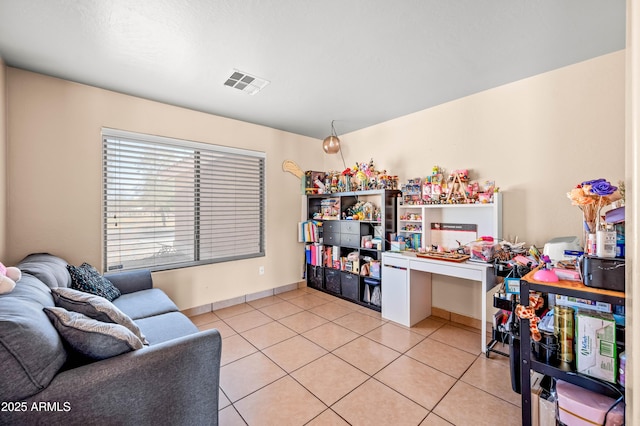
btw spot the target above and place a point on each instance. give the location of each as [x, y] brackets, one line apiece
[394, 261]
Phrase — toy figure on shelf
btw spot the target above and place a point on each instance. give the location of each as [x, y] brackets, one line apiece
[457, 189]
[334, 178]
[363, 172]
[432, 186]
[486, 196]
[321, 186]
[426, 191]
[363, 210]
[346, 179]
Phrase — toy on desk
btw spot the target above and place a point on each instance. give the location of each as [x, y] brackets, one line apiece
[529, 312]
[535, 253]
[483, 249]
[545, 274]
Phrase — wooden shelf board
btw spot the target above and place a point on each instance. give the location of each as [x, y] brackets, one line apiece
[576, 288]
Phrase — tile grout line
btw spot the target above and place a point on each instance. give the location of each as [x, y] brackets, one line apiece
[359, 334]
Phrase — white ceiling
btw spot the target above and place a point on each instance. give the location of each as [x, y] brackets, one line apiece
[359, 62]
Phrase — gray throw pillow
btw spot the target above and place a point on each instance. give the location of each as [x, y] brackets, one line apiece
[95, 307]
[93, 339]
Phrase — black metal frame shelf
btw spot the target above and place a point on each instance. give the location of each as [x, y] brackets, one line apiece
[527, 363]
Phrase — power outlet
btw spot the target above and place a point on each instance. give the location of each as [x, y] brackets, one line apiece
[261, 270]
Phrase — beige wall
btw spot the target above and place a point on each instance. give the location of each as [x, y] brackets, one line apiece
[536, 138]
[55, 181]
[3, 162]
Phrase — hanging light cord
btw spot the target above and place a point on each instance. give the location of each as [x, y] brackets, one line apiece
[334, 133]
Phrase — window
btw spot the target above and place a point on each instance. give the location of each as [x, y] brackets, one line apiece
[170, 203]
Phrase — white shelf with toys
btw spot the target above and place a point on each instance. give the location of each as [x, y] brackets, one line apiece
[454, 210]
[409, 222]
[486, 217]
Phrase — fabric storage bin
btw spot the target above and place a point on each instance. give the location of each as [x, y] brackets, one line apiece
[349, 283]
[332, 280]
[315, 276]
[372, 293]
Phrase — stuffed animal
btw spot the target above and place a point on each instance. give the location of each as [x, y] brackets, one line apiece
[8, 278]
[529, 312]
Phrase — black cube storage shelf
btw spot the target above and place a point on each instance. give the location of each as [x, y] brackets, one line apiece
[347, 236]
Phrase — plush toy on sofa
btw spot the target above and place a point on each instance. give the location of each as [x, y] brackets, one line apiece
[8, 278]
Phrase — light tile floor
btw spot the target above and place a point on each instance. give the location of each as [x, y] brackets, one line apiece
[308, 358]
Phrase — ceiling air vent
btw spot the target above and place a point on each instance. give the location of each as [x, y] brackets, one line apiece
[246, 82]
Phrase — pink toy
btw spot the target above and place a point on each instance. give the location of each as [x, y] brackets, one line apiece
[546, 274]
[8, 278]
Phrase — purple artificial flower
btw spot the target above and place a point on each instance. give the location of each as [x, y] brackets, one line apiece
[603, 188]
[592, 182]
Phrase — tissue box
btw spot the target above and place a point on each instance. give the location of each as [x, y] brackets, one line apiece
[596, 351]
[578, 406]
[484, 251]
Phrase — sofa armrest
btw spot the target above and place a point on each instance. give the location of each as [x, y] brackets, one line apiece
[175, 382]
[131, 281]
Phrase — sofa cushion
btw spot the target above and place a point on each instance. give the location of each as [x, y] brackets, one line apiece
[160, 328]
[93, 339]
[31, 350]
[48, 268]
[145, 303]
[86, 278]
[95, 307]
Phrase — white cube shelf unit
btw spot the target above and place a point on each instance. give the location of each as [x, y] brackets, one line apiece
[486, 216]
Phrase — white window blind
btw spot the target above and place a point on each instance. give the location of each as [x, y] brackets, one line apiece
[170, 203]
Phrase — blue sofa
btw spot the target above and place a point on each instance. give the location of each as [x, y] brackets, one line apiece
[174, 380]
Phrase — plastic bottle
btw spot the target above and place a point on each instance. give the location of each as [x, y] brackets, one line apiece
[606, 241]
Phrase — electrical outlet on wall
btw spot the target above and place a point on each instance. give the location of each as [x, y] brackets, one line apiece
[261, 270]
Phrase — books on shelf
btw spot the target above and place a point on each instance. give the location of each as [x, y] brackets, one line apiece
[308, 232]
[314, 254]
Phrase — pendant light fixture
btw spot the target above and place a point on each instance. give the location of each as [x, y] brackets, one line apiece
[331, 144]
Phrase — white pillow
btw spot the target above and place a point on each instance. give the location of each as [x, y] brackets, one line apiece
[95, 307]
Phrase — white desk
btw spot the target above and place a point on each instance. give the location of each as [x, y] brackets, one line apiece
[406, 289]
